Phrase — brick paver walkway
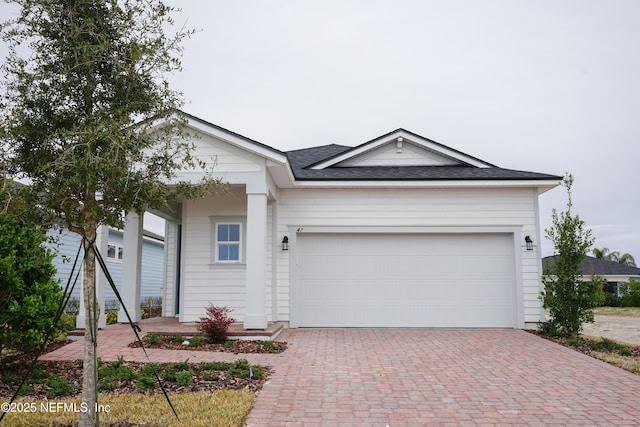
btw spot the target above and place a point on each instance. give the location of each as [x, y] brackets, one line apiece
[408, 377]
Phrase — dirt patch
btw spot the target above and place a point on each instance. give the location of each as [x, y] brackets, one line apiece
[624, 329]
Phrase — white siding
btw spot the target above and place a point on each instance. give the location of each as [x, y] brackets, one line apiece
[224, 160]
[513, 208]
[203, 282]
[408, 155]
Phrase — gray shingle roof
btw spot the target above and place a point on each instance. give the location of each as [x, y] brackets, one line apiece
[302, 160]
[599, 266]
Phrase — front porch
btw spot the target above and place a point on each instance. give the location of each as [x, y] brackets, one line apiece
[171, 326]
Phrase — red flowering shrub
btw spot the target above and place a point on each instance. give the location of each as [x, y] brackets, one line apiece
[215, 325]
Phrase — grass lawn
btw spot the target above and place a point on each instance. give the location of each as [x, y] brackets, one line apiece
[617, 311]
[204, 408]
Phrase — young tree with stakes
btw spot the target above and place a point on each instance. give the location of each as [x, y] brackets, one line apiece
[569, 299]
[89, 118]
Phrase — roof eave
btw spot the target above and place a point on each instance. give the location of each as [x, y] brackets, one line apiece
[545, 184]
[236, 139]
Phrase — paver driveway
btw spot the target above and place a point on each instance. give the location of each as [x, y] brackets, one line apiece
[409, 377]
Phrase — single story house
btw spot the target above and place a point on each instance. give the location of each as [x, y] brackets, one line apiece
[399, 231]
[613, 272]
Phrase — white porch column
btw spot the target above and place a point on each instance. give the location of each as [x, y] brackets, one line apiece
[255, 316]
[102, 243]
[102, 240]
[131, 262]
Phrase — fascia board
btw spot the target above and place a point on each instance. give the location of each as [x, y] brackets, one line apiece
[428, 184]
[245, 144]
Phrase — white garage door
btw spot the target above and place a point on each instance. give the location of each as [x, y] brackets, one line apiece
[427, 280]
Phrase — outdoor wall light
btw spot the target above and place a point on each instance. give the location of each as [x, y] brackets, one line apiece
[529, 243]
[285, 243]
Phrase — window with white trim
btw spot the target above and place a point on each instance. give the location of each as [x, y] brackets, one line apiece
[115, 252]
[228, 242]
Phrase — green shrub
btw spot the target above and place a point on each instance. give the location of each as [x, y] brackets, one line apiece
[29, 295]
[182, 366]
[154, 339]
[117, 364]
[145, 383]
[176, 338]
[149, 369]
[169, 373]
[26, 390]
[630, 292]
[67, 322]
[38, 373]
[270, 346]
[59, 387]
[184, 378]
[112, 317]
[107, 384]
[606, 344]
[126, 373]
[242, 369]
[611, 300]
[196, 342]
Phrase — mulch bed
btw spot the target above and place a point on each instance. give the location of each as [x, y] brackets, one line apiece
[585, 345]
[71, 372]
[230, 346]
[14, 367]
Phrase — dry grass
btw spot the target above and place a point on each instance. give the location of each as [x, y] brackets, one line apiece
[617, 311]
[628, 363]
[220, 408]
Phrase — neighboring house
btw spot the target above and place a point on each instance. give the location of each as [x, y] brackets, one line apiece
[613, 272]
[398, 231]
[151, 268]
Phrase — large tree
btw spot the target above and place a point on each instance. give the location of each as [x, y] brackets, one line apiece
[89, 118]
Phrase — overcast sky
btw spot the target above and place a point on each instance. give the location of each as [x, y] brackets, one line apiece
[541, 85]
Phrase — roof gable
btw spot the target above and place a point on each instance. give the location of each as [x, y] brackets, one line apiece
[400, 148]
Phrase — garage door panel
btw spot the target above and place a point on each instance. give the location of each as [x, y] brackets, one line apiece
[406, 280]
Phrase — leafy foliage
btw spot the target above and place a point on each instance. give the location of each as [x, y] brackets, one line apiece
[630, 292]
[215, 325]
[89, 118]
[29, 296]
[615, 256]
[569, 299]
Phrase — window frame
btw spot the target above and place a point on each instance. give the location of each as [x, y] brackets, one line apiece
[215, 244]
[218, 243]
[119, 252]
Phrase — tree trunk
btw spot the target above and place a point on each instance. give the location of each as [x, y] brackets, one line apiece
[88, 416]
